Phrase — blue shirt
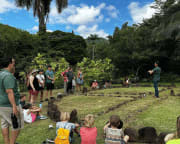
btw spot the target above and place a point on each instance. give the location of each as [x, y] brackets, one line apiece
[49, 74]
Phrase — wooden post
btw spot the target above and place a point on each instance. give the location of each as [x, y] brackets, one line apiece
[178, 126]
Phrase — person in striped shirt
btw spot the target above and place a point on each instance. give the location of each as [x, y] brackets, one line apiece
[113, 131]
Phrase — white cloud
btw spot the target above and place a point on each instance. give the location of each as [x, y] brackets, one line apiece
[85, 31]
[111, 8]
[77, 15]
[49, 30]
[114, 14]
[107, 20]
[102, 5]
[56, 18]
[6, 5]
[139, 13]
[68, 27]
[35, 28]
[84, 17]
[112, 11]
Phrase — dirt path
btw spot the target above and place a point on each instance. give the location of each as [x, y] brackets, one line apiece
[135, 97]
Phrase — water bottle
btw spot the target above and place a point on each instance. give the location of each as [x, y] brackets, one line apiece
[40, 105]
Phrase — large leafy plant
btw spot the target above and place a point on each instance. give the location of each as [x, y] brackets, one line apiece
[100, 70]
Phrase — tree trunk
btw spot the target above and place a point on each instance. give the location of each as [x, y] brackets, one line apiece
[42, 25]
[178, 127]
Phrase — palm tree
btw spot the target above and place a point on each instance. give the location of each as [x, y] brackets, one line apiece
[92, 39]
[41, 9]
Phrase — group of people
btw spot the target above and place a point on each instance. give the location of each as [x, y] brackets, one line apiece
[31, 112]
[37, 81]
[71, 82]
[11, 112]
[113, 131]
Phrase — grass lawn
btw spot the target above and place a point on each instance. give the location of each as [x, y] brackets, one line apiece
[147, 111]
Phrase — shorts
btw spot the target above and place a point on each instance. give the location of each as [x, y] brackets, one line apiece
[49, 86]
[33, 92]
[33, 117]
[79, 81]
[41, 88]
[5, 115]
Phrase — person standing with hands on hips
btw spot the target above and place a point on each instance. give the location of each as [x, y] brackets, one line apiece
[156, 78]
[10, 109]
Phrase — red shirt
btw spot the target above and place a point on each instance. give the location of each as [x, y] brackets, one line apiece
[64, 75]
[88, 135]
[94, 85]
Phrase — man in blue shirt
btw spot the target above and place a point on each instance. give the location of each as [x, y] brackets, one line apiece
[156, 77]
[49, 81]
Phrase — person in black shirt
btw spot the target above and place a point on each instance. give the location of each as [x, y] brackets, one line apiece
[70, 77]
[34, 86]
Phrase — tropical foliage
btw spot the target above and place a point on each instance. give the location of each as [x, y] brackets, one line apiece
[24, 47]
[132, 49]
[100, 70]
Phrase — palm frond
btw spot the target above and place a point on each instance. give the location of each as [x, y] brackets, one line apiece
[61, 4]
[24, 3]
[36, 7]
[29, 4]
[46, 5]
[20, 3]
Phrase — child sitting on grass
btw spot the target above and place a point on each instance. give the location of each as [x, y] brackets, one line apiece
[65, 124]
[31, 113]
[113, 133]
[88, 133]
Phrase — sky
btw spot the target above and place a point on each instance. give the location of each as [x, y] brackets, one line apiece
[84, 17]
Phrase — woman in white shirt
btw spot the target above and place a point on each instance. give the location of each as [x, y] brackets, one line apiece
[41, 79]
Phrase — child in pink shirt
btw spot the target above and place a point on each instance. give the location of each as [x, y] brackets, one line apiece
[88, 133]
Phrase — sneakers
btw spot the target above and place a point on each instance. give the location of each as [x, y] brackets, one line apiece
[42, 117]
[46, 99]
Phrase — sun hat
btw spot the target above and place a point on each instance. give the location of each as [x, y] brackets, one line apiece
[34, 70]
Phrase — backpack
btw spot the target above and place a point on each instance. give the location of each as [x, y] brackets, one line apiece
[175, 141]
[62, 136]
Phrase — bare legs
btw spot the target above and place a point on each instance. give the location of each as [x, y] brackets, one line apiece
[78, 87]
[14, 135]
[48, 91]
[41, 95]
[32, 99]
[5, 133]
[29, 96]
